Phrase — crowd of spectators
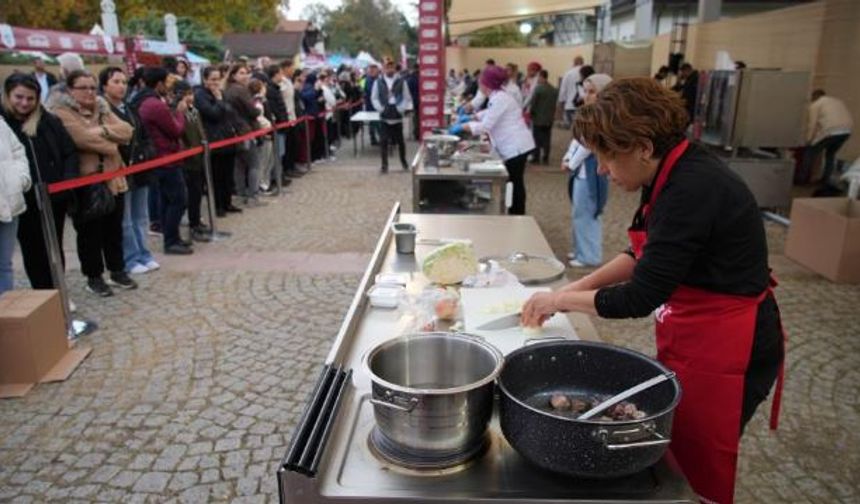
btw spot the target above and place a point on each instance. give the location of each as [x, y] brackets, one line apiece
[81, 123]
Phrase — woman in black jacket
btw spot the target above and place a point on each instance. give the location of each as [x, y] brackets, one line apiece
[216, 113]
[247, 171]
[135, 221]
[53, 157]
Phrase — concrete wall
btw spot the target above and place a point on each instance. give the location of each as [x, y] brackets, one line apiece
[785, 38]
[822, 38]
[556, 60]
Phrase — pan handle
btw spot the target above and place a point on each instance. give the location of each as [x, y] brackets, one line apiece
[604, 434]
[531, 341]
[410, 405]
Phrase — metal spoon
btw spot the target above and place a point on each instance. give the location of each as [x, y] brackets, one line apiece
[617, 398]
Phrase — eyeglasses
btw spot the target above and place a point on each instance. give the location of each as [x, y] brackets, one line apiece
[90, 89]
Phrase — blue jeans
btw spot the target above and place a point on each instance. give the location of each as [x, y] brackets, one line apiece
[8, 237]
[135, 223]
[587, 230]
[830, 146]
[171, 186]
[154, 203]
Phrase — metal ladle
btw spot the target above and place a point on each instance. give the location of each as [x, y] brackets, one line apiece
[617, 398]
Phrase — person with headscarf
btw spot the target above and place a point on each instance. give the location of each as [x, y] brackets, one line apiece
[588, 191]
[503, 122]
[69, 62]
[530, 82]
[52, 157]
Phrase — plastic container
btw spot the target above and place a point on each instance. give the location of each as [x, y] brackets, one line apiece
[404, 237]
[392, 278]
[385, 296]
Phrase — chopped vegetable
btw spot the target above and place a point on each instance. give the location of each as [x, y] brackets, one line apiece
[450, 264]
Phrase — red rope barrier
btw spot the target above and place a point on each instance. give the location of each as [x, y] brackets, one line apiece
[128, 170]
[96, 178]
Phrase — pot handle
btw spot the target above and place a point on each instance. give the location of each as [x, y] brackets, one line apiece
[399, 407]
[603, 434]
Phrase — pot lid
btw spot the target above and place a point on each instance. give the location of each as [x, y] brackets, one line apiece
[529, 269]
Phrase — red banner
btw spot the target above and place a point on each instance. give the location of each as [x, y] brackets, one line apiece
[431, 61]
[13, 38]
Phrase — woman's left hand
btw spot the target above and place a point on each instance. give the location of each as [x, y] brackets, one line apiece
[540, 307]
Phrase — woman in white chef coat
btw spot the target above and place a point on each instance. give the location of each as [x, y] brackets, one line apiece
[503, 122]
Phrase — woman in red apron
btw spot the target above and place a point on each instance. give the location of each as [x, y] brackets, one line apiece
[698, 261]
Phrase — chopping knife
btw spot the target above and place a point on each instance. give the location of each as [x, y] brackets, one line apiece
[506, 322]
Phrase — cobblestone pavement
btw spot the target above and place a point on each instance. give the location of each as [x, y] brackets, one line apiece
[196, 379]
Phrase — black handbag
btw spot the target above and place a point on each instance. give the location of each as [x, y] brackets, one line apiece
[93, 201]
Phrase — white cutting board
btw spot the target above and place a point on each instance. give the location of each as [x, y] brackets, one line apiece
[480, 303]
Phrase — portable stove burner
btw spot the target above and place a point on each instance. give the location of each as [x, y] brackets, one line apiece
[420, 461]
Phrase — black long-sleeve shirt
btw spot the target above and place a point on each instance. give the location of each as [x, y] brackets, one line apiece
[705, 231]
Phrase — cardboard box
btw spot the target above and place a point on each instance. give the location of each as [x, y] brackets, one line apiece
[824, 236]
[33, 343]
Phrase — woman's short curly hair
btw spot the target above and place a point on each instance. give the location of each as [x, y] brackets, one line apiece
[627, 114]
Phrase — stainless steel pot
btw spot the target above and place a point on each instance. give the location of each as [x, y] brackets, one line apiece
[433, 392]
[447, 144]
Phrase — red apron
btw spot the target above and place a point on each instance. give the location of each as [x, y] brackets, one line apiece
[706, 338]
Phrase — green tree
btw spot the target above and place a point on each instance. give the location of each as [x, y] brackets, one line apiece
[194, 34]
[363, 25]
[80, 15]
[66, 15]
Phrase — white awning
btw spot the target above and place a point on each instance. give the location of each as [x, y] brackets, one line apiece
[466, 16]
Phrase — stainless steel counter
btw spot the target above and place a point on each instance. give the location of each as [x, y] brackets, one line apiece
[490, 236]
[329, 459]
[421, 175]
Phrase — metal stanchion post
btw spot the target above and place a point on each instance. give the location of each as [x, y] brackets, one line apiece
[325, 136]
[210, 192]
[339, 122]
[74, 328]
[308, 141]
[280, 139]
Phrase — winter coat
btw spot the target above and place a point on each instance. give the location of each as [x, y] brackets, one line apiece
[193, 136]
[164, 126]
[53, 151]
[14, 174]
[214, 114]
[97, 135]
[239, 97]
[368, 92]
[139, 149]
[311, 96]
[275, 101]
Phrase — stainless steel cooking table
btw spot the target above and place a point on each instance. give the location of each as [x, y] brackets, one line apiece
[365, 118]
[329, 460]
[496, 180]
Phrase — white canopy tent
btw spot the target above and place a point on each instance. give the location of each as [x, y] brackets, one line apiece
[466, 16]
